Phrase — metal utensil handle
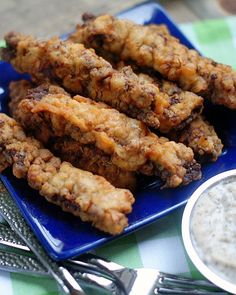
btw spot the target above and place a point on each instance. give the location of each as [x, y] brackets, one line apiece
[9, 238]
[29, 265]
[11, 214]
[15, 262]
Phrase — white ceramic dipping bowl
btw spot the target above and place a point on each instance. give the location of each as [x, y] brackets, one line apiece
[191, 244]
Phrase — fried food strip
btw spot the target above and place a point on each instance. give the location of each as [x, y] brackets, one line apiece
[202, 138]
[181, 106]
[128, 142]
[81, 71]
[197, 134]
[153, 47]
[86, 157]
[81, 193]
[90, 158]
[18, 91]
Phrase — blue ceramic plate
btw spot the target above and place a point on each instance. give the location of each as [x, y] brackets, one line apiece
[65, 236]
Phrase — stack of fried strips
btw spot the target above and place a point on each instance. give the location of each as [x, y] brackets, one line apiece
[88, 196]
[106, 130]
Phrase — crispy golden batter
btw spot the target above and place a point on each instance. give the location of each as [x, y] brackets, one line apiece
[153, 47]
[202, 138]
[91, 158]
[181, 106]
[128, 142]
[80, 70]
[81, 193]
[86, 157]
[18, 91]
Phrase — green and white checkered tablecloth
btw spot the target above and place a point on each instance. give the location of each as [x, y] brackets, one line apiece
[158, 245]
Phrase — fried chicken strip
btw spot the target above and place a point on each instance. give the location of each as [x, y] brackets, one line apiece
[128, 142]
[181, 106]
[17, 91]
[153, 47]
[197, 134]
[81, 71]
[81, 193]
[202, 138]
[86, 157]
[93, 159]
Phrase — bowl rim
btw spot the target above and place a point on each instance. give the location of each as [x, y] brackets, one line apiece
[186, 236]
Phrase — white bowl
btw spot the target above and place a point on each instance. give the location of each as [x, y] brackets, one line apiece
[186, 233]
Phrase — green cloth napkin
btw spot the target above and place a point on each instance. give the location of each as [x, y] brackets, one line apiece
[158, 245]
[2, 43]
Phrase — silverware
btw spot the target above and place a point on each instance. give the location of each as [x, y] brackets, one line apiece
[162, 283]
[8, 237]
[16, 262]
[152, 281]
[23, 264]
[11, 214]
[103, 273]
[136, 281]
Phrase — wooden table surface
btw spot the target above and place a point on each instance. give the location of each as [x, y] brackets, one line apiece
[53, 17]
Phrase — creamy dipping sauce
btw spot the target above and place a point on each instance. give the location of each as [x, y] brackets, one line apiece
[213, 228]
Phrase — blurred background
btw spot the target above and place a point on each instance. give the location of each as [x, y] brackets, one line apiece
[55, 17]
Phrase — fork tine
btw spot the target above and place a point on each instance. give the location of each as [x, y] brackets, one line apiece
[169, 279]
[174, 290]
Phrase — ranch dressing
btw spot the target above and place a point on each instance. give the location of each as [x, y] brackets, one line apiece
[213, 228]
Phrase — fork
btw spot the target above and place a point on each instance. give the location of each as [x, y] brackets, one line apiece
[116, 279]
[147, 281]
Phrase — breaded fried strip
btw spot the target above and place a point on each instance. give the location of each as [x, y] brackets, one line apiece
[91, 158]
[81, 193]
[18, 91]
[202, 138]
[128, 142]
[153, 47]
[181, 106]
[81, 71]
[86, 157]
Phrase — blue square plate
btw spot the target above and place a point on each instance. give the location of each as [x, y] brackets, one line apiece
[65, 236]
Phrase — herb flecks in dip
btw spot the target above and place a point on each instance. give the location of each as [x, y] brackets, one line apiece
[213, 228]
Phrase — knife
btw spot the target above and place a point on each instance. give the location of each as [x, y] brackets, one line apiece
[11, 214]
